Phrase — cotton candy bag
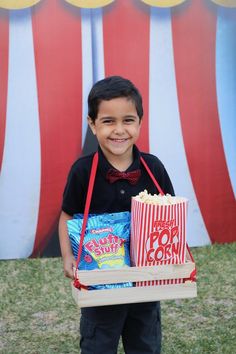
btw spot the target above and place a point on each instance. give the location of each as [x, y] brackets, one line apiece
[106, 242]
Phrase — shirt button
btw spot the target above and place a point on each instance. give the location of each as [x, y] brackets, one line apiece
[122, 191]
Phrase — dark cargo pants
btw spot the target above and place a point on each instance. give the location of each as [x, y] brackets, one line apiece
[139, 325]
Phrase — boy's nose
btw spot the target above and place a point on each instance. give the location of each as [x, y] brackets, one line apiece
[119, 129]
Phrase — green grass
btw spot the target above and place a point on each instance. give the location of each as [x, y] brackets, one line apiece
[38, 315]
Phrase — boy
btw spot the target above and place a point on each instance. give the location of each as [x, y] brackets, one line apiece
[115, 117]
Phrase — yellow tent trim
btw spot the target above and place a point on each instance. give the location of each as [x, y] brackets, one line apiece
[90, 3]
[163, 3]
[226, 3]
[17, 4]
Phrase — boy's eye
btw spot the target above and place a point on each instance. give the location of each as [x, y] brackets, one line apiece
[107, 121]
[129, 120]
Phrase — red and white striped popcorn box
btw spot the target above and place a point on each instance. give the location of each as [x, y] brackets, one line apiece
[158, 235]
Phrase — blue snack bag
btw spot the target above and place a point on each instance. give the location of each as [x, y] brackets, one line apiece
[106, 243]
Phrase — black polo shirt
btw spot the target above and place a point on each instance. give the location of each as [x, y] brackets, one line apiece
[111, 197]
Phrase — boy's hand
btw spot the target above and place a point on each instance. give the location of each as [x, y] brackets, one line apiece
[69, 263]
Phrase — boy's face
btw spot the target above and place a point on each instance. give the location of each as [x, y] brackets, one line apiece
[117, 128]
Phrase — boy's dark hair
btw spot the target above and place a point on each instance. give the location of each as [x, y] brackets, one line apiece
[113, 87]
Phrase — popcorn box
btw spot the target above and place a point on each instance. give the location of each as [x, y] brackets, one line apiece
[158, 233]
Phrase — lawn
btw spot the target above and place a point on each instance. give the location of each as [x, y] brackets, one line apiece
[38, 315]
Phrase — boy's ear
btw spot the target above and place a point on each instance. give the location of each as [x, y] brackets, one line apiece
[91, 125]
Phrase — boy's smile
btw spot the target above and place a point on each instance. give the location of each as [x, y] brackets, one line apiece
[117, 128]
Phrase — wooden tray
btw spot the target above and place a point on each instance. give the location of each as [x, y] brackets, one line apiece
[89, 298]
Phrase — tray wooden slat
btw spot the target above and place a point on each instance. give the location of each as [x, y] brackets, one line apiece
[133, 274]
[104, 297]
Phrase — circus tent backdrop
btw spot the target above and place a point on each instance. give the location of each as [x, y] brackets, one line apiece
[181, 55]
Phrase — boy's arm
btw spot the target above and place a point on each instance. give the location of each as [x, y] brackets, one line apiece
[68, 259]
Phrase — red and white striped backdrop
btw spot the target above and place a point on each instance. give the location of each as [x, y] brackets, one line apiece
[183, 60]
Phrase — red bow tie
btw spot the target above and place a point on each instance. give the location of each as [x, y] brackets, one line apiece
[132, 177]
